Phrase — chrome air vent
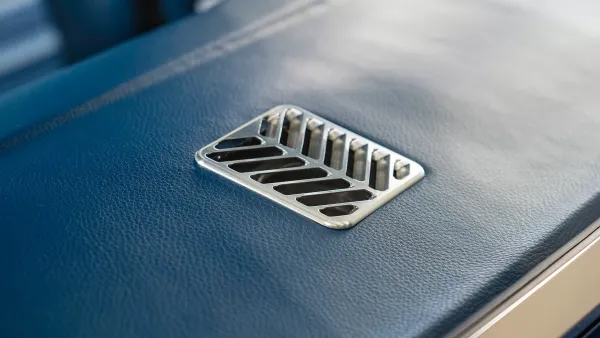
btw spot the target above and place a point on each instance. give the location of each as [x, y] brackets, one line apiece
[310, 165]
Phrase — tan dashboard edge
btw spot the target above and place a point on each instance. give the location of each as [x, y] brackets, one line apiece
[553, 302]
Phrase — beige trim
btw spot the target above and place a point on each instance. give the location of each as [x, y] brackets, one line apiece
[552, 302]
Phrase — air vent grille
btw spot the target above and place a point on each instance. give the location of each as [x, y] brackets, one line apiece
[311, 166]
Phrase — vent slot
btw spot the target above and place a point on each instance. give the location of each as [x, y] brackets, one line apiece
[238, 142]
[279, 163]
[313, 139]
[269, 126]
[335, 197]
[314, 186]
[290, 175]
[380, 170]
[357, 160]
[245, 154]
[290, 131]
[339, 210]
[334, 150]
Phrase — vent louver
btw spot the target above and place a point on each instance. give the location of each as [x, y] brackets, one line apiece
[311, 166]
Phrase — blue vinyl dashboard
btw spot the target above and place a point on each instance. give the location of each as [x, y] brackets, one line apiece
[108, 228]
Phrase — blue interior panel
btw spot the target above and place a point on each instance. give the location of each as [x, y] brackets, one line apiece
[108, 228]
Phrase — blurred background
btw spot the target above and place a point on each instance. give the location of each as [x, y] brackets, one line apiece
[38, 37]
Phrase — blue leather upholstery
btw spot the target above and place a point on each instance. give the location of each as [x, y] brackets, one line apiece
[30, 45]
[34, 42]
[90, 26]
[175, 9]
[108, 228]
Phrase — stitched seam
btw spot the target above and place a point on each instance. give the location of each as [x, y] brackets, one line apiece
[260, 29]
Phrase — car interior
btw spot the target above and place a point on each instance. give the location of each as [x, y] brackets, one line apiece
[299, 168]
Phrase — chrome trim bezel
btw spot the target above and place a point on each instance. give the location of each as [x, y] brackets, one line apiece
[250, 129]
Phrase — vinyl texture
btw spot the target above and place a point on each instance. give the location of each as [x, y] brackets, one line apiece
[108, 228]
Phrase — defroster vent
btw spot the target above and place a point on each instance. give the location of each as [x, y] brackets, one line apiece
[310, 165]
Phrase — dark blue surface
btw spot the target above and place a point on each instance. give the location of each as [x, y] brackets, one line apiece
[30, 45]
[90, 26]
[109, 229]
[16, 21]
[32, 72]
[594, 331]
[588, 327]
[79, 85]
[173, 10]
